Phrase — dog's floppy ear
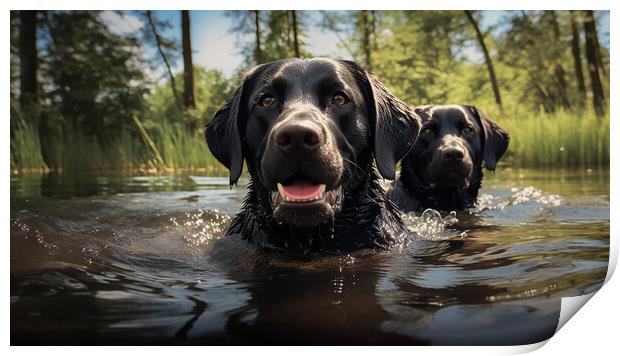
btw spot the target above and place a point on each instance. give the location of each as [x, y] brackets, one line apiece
[396, 128]
[396, 125]
[423, 111]
[496, 139]
[223, 133]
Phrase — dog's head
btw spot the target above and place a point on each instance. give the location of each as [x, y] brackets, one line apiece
[454, 141]
[308, 130]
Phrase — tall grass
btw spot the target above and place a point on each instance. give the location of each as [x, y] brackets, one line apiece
[74, 151]
[179, 148]
[25, 143]
[561, 139]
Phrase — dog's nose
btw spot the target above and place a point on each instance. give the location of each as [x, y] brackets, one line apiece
[298, 138]
[452, 154]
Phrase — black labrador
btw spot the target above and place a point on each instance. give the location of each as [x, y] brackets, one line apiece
[443, 171]
[308, 130]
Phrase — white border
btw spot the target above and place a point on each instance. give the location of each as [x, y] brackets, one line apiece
[592, 330]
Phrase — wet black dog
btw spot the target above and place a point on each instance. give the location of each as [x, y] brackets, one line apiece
[308, 130]
[443, 171]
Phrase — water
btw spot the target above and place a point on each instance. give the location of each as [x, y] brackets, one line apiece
[140, 260]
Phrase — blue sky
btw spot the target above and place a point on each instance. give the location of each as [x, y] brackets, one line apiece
[215, 47]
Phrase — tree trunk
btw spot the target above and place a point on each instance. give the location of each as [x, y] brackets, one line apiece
[561, 85]
[289, 42]
[598, 100]
[373, 29]
[365, 24]
[295, 38]
[487, 58]
[149, 16]
[576, 49]
[597, 46]
[258, 55]
[559, 70]
[188, 70]
[28, 57]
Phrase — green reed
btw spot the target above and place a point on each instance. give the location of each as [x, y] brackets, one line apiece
[561, 139]
[25, 143]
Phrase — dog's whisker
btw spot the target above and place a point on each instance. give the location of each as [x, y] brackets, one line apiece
[354, 164]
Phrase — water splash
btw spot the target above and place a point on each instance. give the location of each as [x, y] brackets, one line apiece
[432, 226]
[519, 196]
[201, 227]
[347, 260]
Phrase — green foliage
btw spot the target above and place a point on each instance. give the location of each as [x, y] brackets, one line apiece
[415, 55]
[26, 151]
[420, 55]
[279, 37]
[211, 89]
[182, 149]
[542, 59]
[95, 84]
[276, 35]
[93, 81]
[96, 79]
[560, 139]
[76, 151]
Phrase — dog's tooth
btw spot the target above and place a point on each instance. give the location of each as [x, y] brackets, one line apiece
[281, 190]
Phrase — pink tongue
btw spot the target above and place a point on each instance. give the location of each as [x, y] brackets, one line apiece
[302, 190]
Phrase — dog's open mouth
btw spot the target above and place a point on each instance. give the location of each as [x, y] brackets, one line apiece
[301, 202]
[301, 192]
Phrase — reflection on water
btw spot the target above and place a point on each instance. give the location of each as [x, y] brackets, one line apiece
[140, 260]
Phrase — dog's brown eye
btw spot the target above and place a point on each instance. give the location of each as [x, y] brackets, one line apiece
[467, 129]
[267, 101]
[340, 99]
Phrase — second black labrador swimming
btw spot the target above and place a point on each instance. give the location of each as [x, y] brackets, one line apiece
[308, 130]
[443, 171]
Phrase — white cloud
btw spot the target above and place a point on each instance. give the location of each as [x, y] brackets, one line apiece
[217, 49]
[121, 23]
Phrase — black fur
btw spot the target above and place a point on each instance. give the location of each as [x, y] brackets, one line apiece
[367, 220]
[375, 124]
[418, 188]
